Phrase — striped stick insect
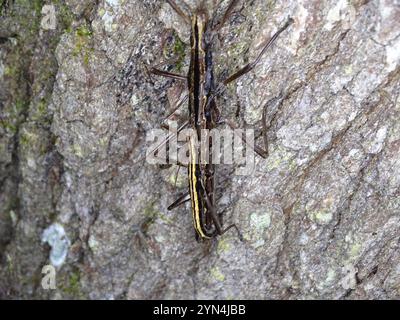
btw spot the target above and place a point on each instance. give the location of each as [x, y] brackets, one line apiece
[204, 114]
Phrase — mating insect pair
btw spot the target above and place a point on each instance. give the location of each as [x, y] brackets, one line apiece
[204, 114]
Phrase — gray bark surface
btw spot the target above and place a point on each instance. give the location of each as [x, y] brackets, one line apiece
[320, 216]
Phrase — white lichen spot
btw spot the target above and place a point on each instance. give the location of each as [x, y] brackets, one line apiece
[134, 100]
[280, 157]
[325, 116]
[108, 14]
[369, 286]
[302, 160]
[93, 243]
[160, 238]
[299, 26]
[101, 12]
[354, 250]
[77, 150]
[393, 55]
[259, 243]
[223, 246]
[56, 237]
[113, 3]
[377, 143]
[343, 11]
[353, 153]
[260, 220]
[330, 277]
[1, 69]
[348, 70]
[321, 211]
[31, 163]
[304, 239]
[352, 116]
[345, 75]
[14, 218]
[108, 20]
[323, 216]
[353, 160]
[68, 180]
[348, 237]
[349, 281]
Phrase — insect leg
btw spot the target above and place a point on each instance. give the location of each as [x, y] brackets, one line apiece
[250, 66]
[216, 220]
[260, 151]
[179, 11]
[169, 137]
[181, 200]
[227, 13]
[168, 74]
[173, 111]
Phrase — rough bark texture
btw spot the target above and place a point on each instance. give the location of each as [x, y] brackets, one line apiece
[320, 215]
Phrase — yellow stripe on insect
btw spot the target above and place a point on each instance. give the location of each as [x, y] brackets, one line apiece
[193, 191]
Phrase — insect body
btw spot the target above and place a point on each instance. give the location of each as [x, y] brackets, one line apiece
[204, 114]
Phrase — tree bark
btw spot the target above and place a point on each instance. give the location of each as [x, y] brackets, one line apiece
[320, 216]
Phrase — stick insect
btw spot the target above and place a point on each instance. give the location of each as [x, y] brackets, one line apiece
[204, 113]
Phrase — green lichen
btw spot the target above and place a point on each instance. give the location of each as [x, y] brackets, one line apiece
[84, 31]
[65, 17]
[41, 110]
[8, 126]
[77, 150]
[179, 50]
[324, 216]
[31, 25]
[175, 50]
[280, 158]
[322, 211]
[237, 50]
[223, 246]
[37, 6]
[72, 286]
[10, 264]
[259, 222]
[217, 274]
[24, 140]
[152, 214]
[354, 250]
[83, 46]
[21, 105]
[101, 12]
[27, 15]
[28, 139]
[150, 211]
[2, 4]
[10, 71]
